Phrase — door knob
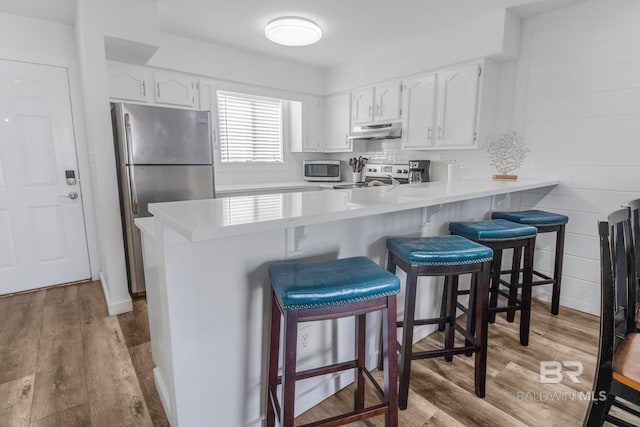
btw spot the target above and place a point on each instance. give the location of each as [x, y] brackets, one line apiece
[72, 195]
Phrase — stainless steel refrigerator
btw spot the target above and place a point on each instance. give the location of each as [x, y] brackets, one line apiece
[164, 155]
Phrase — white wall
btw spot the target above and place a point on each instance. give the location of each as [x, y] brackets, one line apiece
[578, 106]
[489, 35]
[225, 63]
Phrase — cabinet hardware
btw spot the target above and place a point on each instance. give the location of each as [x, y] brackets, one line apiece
[144, 88]
[370, 110]
[158, 89]
[440, 132]
[428, 132]
[479, 71]
[379, 109]
[475, 135]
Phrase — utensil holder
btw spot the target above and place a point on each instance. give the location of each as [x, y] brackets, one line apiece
[357, 176]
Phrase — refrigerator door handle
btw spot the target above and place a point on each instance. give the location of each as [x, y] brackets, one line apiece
[130, 168]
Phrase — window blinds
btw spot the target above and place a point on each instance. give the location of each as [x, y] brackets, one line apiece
[250, 128]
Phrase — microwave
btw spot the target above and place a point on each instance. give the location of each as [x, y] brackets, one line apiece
[321, 170]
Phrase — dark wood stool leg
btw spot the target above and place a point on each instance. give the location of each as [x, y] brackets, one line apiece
[450, 330]
[527, 278]
[407, 336]
[471, 309]
[481, 329]
[390, 357]
[361, 331]
[443, 304]
[391, 268]
[496, 265]
[514, 281]
[557, 272]
[274, 350]
[289, 367]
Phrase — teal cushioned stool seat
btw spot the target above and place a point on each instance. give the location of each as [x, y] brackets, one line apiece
[306, 285]
[532, 217]
[493, 230]
[439, 250]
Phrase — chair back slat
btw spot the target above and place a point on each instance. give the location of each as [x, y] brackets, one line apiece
[634, 207]
[623, 270]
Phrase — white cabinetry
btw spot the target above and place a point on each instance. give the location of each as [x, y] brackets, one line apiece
[442, 110]
[140, 84]
[381, 103]
[420, 106]
[336, 123]
[388, 96]
[362, 106]
[312, 124]
[129, 83]
[457, 107]
[174, 89]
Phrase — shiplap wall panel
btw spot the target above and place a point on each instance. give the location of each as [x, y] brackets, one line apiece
[579, 100]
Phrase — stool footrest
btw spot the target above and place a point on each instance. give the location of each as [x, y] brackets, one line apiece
[443, 352]
[505, 308]
[535, 273]
[421, 322]
[350, 417]
[331, 369]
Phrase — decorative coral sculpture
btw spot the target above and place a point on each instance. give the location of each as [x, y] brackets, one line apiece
[507, 154]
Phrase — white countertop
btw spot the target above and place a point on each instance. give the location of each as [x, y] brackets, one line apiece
[200, 220]
[286, 185]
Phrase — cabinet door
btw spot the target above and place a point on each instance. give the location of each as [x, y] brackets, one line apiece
[174, 89]
[420, 112]
[311, 124]
[336, 129]
[128, 83]
[457, 107]
[362, 106]
[387, 106]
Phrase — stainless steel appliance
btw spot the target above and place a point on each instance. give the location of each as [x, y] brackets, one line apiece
[322, 170]
[391, 130]
[164, 155]
[418, 171]
[381, 174]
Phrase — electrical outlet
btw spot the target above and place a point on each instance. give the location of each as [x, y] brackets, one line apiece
[305, 336]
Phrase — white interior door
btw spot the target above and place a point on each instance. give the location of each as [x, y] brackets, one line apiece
[42, 233]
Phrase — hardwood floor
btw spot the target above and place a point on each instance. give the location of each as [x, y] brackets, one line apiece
[66, 363]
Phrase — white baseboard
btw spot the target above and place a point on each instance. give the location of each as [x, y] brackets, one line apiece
[163, 393]
[583, 306]
[115, 307]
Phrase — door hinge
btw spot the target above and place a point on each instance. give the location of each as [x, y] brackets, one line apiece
[475, 135]
[401, 111]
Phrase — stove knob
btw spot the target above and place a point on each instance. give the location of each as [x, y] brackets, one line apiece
[406, 172]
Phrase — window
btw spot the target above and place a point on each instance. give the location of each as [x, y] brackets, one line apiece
[250, 128]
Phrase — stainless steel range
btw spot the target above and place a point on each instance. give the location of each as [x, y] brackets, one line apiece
[381, 174]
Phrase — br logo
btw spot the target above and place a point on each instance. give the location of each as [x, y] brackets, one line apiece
[551, 372]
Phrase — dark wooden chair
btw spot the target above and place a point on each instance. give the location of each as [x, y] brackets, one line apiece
[618, 369]
[634, 207]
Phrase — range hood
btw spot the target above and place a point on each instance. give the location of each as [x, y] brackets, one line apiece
[379, 131]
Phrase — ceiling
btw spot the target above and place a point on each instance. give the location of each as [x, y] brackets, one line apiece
[351, 28]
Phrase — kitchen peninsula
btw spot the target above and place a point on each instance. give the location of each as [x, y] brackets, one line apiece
[208, 292]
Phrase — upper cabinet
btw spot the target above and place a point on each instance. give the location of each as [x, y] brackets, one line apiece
[388, 96]
[443, 110]
[420, 106]
[381, 103]
[336, 123]
[312, 124]
[457, 107]
[174, 89]
[362, 106]
[140, 84]
[129, 83]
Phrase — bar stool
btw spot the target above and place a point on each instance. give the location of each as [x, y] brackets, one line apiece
[500, 234]
[545, 222]
[311, 291]
[447, 256]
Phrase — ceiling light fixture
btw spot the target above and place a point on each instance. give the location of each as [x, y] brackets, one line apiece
[293, 31]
